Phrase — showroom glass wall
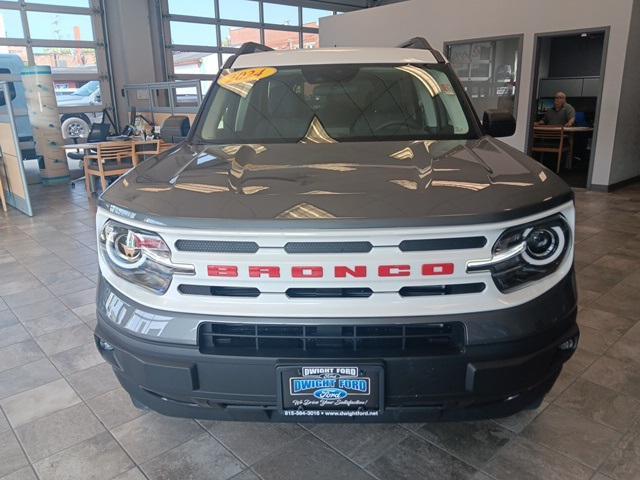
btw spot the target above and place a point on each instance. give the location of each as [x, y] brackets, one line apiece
[66, 35]
[489, 69]
[200, 36]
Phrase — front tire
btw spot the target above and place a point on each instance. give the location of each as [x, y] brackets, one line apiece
[75, 126]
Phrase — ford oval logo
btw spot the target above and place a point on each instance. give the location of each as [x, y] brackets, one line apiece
[330, 394]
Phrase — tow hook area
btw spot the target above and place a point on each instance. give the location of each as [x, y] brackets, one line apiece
[570, 345]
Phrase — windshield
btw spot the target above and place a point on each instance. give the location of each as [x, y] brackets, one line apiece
[333, 103]
[87, 89]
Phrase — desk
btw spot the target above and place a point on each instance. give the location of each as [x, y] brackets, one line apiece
[570, 131]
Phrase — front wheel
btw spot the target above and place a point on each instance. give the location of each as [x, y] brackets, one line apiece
[75, 126]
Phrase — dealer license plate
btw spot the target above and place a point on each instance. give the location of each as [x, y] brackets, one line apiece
[331, 390]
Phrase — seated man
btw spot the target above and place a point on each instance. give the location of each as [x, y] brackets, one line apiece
[562, 114]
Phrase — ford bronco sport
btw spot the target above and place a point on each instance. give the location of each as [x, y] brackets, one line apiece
[338, 239]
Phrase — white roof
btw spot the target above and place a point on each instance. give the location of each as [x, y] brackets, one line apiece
[335, 55]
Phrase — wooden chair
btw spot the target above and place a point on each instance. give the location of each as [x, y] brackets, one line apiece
[2, 199]
[148, 148]
[550, 140]
[111, 159]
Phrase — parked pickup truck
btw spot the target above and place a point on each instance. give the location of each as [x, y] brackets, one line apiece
[339, 239]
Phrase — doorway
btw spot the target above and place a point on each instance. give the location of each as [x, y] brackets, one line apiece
[572, 63]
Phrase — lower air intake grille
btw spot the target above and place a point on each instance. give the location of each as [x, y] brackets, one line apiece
[235, 339]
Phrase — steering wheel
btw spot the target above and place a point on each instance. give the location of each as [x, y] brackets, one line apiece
[391, 123]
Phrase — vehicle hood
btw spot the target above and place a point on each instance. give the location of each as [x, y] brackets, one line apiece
[357, 183]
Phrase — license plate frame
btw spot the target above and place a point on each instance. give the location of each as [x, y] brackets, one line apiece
[324, 389]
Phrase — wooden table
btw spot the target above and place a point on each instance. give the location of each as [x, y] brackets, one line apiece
[570, 131]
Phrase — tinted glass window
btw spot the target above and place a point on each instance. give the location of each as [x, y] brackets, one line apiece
[329, 103]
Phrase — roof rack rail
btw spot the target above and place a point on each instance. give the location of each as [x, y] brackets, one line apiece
[422, 44]
[247, 47]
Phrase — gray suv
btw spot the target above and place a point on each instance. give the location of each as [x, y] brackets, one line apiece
[338, 239]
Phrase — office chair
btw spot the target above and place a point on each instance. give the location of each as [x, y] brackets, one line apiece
[98, 133]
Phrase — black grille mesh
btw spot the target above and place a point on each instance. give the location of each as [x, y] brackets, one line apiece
[215, 246]
[330, 340]
[328, 247]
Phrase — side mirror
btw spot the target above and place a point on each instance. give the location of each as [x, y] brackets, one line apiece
[498, 123]
[12, 93]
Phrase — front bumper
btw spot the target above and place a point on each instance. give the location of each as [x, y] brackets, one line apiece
[485, 379]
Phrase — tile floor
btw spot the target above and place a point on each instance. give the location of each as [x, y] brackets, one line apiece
[64, 416]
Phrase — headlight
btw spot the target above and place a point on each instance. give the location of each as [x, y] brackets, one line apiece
[140, 257]
[526, 253]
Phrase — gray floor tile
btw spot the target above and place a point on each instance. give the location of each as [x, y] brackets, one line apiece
[114, 408]
[98, 458]
[25, 473]
[598, 278]
[64, 339]
[580, 361]
[27, 377]
[7, 317]
[86, 313]
[132, 474]
[362, 443]
[13, 334]
[94, 381]
[473, 442]
[310, 459]
[4, 423]
[76, 359]
[11, 455]
[67, 287]
[600, 404]
[624, 462]
[416, 458]
[627, 350]
[58, 431]
[150, 435]
[57, 274]
[622, 299]
[573, 435]
[604, 321]
[18, 283]
[516, 423]
[27, 297]
[201, 458]
[245, 475]
[600, 476]
[50, 323]
[80, 298]
[39, 309]
[481, 476]
[524, 460]
[253, 441]
[615, 374]
[19, 354]
[39, 402]
[596, 341]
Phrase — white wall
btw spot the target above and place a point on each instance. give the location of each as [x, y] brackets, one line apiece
[626, 152]
[448, 20]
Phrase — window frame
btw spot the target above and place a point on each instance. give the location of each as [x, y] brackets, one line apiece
[471, 41]
[170, 48]
[94, 11]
